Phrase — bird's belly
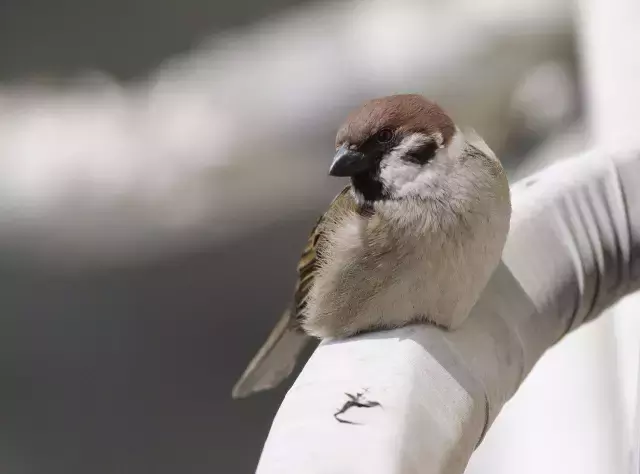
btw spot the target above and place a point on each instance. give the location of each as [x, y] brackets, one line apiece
[433, 285]
[437, 281]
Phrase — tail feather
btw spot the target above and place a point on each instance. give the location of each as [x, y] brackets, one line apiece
[275, 360]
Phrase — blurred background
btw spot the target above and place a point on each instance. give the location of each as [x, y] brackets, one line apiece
[161, 164]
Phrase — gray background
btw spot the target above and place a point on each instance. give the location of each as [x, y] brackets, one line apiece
[129, 369]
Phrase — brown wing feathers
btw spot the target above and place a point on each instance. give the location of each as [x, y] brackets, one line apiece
[308, 262]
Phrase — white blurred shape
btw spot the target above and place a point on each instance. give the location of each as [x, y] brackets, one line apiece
[218, 141]
[545, 98]
[577, 411]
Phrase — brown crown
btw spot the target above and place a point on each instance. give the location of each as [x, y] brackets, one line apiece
[403, 113]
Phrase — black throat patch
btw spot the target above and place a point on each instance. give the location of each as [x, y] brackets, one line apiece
[369, 185]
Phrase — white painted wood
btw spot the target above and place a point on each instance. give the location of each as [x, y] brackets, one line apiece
[610, 39]
[578, 407]
[438, 391]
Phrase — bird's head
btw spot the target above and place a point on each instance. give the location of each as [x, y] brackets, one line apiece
[397, 147]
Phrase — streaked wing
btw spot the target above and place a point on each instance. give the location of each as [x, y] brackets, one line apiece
[308, 263]
[277, 357]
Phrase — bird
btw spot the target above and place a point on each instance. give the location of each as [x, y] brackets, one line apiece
[413, 238]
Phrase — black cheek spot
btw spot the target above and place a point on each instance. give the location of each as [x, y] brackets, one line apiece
[423, 154]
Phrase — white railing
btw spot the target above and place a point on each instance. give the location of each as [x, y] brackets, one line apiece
[434, 393]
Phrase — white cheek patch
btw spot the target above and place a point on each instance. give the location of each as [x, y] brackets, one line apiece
[402, 178]
[437, 137]
[395, 172]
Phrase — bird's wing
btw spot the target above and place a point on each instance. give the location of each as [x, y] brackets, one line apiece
[343, 203]
[277, 357]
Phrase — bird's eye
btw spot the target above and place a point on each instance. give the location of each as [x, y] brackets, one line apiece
[385, 135]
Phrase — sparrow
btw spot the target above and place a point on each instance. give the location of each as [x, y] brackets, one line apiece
[414, 237]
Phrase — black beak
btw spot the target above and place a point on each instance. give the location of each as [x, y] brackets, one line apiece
[348, 162]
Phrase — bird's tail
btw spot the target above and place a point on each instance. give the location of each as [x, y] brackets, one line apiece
[275, 360]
